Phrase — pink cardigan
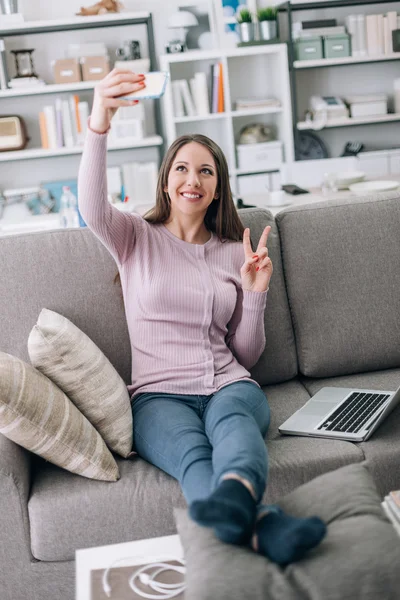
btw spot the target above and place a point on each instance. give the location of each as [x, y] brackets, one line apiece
[192, 328]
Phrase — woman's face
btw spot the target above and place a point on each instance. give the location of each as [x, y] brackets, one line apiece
[192, 180]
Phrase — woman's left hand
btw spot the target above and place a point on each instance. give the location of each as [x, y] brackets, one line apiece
[257, 269]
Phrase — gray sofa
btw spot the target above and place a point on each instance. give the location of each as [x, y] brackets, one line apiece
[333, 317]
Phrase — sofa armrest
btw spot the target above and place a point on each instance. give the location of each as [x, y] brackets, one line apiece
[15, 481]
[15, 462]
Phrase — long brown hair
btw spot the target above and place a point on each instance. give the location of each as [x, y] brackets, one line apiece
[221, 216]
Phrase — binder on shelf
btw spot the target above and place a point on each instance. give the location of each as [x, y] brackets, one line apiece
[83, 109]
[50, 115]
[392, 25]
[59, 126]
[215, 86]
[220, 89]
[187, 98]
[177, 99]
[362, 35]
[43, 131]
[69, 141]
[199, 90]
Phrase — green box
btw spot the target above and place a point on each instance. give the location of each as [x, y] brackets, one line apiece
[337, 46]
[309, 48]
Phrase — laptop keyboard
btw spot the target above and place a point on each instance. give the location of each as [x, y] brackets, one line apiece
[354, 412]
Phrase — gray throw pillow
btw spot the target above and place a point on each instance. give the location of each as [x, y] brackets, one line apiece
[358, 560]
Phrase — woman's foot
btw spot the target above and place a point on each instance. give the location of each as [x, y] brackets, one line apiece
[285, 539]
[230, 511]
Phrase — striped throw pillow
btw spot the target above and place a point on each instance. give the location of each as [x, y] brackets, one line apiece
[37, 415]
[68, 357]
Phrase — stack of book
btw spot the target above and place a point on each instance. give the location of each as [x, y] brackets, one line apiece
[391, 506]
[63, 124]
[19, 83]
[195, 98]
[307, 29]
[371, 35]
[256, 103]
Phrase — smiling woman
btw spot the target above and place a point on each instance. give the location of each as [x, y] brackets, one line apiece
[194, 294]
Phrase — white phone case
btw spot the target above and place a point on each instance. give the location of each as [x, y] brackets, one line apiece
[155, 81]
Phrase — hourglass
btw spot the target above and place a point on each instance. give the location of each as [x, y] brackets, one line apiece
[24, 63]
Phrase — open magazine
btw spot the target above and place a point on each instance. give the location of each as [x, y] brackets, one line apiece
[391, 506]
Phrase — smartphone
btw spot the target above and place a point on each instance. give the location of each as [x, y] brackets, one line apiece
[156, 82]
[294, 189]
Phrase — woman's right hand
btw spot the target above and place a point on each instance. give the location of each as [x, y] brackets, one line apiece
[106, 101]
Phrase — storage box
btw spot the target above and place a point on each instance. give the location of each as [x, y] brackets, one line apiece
[309, 48]
[66, 70]
[263, 156]
[367, 106]
[254, 184]
[337, 46]
[94, 67]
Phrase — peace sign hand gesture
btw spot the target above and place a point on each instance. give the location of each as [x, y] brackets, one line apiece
[257, 269]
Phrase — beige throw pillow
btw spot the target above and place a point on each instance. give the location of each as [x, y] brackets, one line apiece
[37, 415]
[71, 360]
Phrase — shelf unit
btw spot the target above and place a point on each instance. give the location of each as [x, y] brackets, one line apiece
[349, 122]
[265, 73]
[296, 66]
[72, 24]
[153, 140]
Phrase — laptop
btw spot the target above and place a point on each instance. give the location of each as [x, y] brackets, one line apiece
[342, 413]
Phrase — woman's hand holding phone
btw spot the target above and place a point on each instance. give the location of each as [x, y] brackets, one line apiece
[107, 94]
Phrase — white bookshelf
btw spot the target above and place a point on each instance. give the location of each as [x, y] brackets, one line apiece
[56, 88]
[155, 140]
[258, 71]
[347, 122]
[348, 60]
[73, 22]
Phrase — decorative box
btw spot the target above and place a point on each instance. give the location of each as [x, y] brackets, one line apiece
[309, 48]
[66, 70]
[337, 46]
[263, 156]
[94, 67]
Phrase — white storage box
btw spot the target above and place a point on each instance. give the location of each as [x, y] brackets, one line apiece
[263, 156]
[254, 184]
[367, 106]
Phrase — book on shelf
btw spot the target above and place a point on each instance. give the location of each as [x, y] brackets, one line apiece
[256, 103]
[190, 98]
[371, 35]
[17, 83]
[187, 99]
[64, 123]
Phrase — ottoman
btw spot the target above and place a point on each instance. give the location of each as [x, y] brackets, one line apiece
[359, 559]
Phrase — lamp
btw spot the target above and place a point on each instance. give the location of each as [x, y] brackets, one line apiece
[180, 21]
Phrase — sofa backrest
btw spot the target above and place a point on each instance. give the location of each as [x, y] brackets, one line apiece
[341, 262]
[278, 362]
[70, 272]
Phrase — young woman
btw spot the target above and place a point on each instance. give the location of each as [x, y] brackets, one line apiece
[195, 294]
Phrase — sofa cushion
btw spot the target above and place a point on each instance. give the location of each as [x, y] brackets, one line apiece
[37, 415]
[66, 515]
[294, 459]
[140, 504]
[278, 362]
[72, 273]
[67, 356]
[358, 558]
[381, 451]
[341, 260]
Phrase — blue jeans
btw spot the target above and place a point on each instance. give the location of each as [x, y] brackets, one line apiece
[197, 439]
